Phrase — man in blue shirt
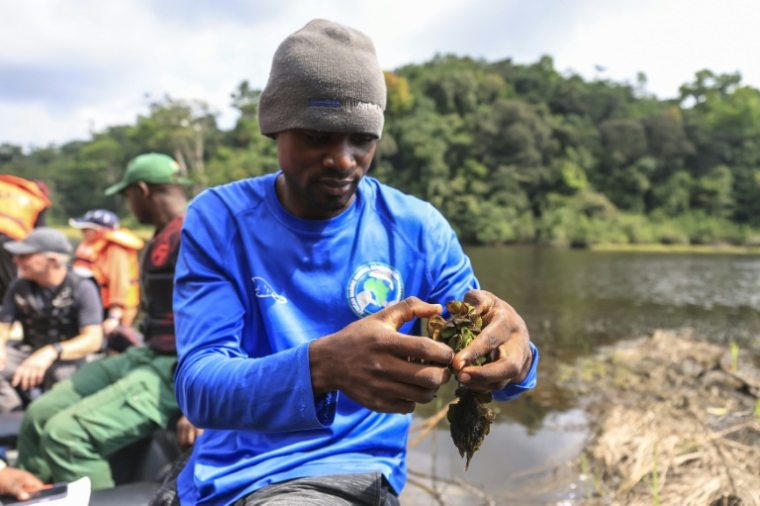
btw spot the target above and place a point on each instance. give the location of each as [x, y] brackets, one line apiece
[296, 293]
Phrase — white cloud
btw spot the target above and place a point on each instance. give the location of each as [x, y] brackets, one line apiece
[67, 65]
[667, 40]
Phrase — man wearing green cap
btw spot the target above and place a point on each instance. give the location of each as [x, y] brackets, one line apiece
[152, 168]
[111, 403]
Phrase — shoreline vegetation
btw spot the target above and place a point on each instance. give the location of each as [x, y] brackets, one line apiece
[679, 248]
[509, 153]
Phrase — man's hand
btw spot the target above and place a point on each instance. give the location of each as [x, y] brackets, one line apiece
[31, 372]
[18, 483]
[3, 356]
[369, 360]
[187, 433]
[504, 338]
[109, 325]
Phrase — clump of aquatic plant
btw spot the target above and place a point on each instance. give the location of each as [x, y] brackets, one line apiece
[470, 420]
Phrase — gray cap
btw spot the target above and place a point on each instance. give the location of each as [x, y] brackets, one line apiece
[42, 239]
[324, 77]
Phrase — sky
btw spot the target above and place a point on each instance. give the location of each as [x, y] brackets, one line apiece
[68, 68]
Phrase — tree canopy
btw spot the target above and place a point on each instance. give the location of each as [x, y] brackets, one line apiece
[509, 153]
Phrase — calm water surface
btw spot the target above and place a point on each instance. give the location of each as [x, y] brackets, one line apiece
[574, 301]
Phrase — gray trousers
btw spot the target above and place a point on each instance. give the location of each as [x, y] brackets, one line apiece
[368, 489]
[15, 353]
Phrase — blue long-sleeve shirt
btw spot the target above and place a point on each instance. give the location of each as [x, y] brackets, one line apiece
[255, 285]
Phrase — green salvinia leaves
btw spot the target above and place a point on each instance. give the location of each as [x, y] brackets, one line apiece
[469, 419]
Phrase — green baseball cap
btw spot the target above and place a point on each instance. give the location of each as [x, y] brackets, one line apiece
[153, 168]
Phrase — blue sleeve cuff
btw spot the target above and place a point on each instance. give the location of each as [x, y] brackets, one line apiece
[325, 405]
[513, 391]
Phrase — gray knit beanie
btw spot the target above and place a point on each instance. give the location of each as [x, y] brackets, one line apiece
[324, 77]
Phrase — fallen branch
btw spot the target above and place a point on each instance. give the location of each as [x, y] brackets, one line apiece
[458, 483]
[427, 426]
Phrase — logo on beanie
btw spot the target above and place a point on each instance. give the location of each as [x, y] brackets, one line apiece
[323, 103]
[368, 106]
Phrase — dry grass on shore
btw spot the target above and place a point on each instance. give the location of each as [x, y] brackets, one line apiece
[674, 422]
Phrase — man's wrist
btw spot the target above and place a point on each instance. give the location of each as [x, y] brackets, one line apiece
[115, 312]
[527, 366]
[58, 349]
[320, 382]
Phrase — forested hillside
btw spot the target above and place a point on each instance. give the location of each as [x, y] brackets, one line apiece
[509, 153]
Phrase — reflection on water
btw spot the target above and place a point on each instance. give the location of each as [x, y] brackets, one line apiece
[573, 301]
[509, 454]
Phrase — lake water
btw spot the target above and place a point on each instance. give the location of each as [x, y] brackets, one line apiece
[574, 301]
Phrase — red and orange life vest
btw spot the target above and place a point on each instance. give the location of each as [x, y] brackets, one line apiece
[88, 253]
[21, 202]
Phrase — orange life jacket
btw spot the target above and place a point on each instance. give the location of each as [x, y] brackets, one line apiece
[88, 253]
[21, 202]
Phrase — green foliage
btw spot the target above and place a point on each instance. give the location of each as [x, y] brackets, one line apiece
[673, 195]
[638, 229]
[572, 175]
[582, 220]
[509, 153]
[668, 232]
[400, 99]
[713, 192]
[702, 228]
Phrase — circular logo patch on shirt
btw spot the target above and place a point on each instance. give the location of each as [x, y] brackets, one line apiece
[373, 287]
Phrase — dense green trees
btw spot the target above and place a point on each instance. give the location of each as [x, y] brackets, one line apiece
[509, 153]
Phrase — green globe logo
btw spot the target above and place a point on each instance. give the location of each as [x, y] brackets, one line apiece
[379, 290]
[372, 287]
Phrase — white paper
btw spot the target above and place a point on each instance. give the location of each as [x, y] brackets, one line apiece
[79, 494]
